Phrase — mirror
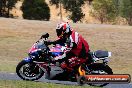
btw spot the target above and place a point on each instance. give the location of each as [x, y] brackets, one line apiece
[45, 35]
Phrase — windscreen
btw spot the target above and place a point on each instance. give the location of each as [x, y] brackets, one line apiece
[40, 45]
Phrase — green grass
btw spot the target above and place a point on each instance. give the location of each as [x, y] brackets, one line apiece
[28, 84]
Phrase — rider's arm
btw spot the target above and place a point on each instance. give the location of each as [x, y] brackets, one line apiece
[59, 41]
[70, 43]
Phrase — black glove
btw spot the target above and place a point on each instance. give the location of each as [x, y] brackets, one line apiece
[45, 35]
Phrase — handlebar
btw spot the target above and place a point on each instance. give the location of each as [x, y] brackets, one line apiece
[45, 36]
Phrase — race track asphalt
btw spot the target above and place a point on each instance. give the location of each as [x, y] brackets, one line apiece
[13, 76]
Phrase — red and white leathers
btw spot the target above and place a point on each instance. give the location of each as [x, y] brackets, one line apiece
[81, 44]
[77, 50]
[78, 47]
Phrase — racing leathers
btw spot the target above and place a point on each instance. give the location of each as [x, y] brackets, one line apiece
[77, 49]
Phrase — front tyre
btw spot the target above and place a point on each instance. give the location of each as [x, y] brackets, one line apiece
[29, 71]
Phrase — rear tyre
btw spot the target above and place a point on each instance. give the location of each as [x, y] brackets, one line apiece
[81, 80]
[99, 68]
[29, 71]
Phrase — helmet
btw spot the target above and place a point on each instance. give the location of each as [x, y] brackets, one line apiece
[63, 29]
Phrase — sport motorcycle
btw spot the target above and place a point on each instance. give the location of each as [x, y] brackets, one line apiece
[40, 62]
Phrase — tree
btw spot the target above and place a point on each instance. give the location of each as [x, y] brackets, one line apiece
[35, 10]
[104, 10]
[126, 10]
[77, 14]
[10, 5]
[1, 7]
[6, 6]
[90, 1]
[72, 6]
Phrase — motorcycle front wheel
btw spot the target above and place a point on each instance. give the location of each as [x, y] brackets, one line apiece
[29, 71]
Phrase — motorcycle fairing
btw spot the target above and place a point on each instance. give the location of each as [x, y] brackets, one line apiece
[56, 51]
[27, 59]
[33, 48]
[38, 46]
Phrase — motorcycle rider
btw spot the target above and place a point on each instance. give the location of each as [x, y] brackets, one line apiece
[77, 46]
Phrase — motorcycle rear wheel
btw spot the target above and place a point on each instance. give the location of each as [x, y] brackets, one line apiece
[96, 68]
